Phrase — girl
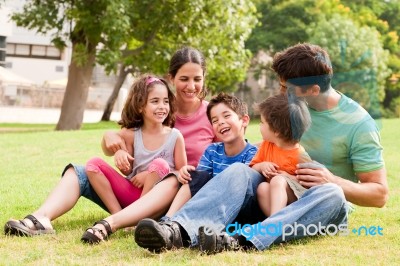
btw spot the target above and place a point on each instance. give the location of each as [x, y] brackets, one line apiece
[153, 148]
[187, 71]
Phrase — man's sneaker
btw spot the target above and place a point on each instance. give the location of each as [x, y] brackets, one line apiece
[156, 236]
[211, 242]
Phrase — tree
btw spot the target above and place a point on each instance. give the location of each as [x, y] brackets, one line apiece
[357, 57]
[284, 23]
[383, 16]
[86, 25]
[137, 36]
[218, 28]
[390, 16]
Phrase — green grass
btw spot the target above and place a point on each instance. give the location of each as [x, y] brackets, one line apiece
[33, 157]
[14, 127]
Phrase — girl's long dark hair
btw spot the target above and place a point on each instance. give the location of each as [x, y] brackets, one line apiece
[131, 116]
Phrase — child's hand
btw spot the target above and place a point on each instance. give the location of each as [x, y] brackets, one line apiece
[184, 176]
[122, 160]
[139, 179]
[268, 169]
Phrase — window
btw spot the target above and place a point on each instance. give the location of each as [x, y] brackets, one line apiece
[2, 41]
[53, 52]
[22, 49]
[33, 51]
[2, 50]
[38, 50]
[10, 49]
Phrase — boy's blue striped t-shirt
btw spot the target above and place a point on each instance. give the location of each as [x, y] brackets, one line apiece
[214, 160]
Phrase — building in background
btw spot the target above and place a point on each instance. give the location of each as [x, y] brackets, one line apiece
[29, 54]
[5, 30]
[33, 57]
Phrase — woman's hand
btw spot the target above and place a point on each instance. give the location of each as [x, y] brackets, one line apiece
[112, 142]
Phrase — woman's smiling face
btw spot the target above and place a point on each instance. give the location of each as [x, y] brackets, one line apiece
[188, 82]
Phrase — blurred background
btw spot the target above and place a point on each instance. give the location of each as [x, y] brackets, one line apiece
[92, 52]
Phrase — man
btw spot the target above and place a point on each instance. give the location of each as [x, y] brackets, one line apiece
[344, 142]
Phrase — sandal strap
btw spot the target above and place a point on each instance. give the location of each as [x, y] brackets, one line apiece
[106, 226]
[38, 225]
[94, 229]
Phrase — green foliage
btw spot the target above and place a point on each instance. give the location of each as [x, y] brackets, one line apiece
[357, 34]
[353, 49]
[149, 32]
[282, 23]
[390, 15]
[217, 28]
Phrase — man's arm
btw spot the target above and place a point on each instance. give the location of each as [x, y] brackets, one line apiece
[371, 191]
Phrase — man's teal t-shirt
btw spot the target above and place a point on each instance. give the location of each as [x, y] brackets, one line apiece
[345, 139]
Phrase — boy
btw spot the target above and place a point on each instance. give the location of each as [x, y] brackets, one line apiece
[283, 121]
[229, 118]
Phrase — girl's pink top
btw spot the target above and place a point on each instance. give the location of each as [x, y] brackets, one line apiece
[197, 132]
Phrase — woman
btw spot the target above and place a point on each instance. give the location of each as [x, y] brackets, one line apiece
[186, 72]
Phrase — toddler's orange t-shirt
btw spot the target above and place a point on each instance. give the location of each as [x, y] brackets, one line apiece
[285, 159]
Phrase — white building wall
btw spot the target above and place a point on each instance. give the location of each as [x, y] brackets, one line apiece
[43, 71]
[38, 70]
[35, 69]
[5, 25]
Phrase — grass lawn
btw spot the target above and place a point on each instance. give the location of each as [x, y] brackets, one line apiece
[33, 156]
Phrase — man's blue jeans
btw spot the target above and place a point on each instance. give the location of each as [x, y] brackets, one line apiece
[233, 192]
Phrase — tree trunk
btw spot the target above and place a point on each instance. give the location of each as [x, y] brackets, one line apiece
[114, 95]
[76, 93]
